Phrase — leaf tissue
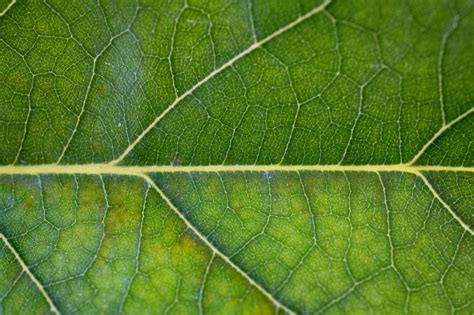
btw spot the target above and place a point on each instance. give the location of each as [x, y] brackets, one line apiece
[236, 156]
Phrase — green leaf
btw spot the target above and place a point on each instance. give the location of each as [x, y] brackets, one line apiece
[236, 156]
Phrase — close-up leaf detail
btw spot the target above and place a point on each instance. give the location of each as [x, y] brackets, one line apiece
[236, 157]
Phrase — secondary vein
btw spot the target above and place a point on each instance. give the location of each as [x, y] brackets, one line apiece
[464, 225]
[237, 57]
[25, 268]
[215, 250]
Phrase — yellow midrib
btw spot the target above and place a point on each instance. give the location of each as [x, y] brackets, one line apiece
[139, 170]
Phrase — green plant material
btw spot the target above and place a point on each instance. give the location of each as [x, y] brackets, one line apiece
[236, 157]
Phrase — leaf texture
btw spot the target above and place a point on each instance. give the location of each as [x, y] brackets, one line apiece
[236, 157]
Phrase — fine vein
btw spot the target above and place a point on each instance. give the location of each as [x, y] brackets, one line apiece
[237, 57]
[465, 226]
[25, 268]
[442, 48]
[439, 133]
[97, 169]
[215, 250]
[7, 8]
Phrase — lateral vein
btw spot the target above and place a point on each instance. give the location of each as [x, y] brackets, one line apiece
[215, 250]
[442, 48]
[237, 57]
[25, 268]
[97, 169]
[7, 8]
[438, 134]
[464, 225]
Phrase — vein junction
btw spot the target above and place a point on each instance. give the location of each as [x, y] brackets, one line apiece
[229, 63]
[215, 250]
[141, 170]
[7, 8]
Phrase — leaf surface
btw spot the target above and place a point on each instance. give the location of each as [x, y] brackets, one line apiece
[236, 157]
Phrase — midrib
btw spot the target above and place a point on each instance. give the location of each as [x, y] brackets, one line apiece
[140, 170]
